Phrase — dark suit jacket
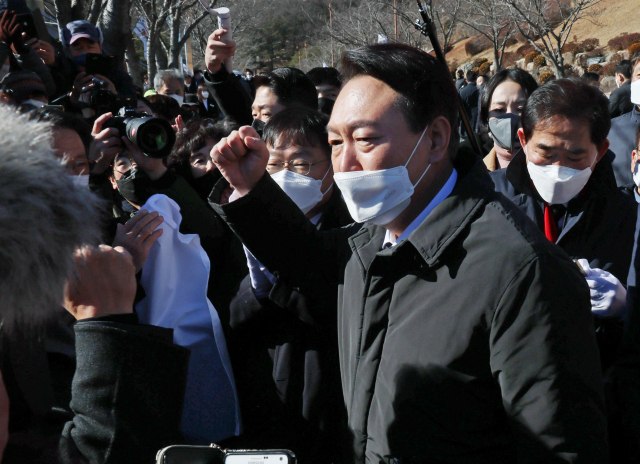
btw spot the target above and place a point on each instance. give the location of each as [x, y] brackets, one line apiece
[470, 95]
[622, 137]
[620, 100]
[288, 375]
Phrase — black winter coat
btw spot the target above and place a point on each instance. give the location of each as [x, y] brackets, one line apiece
[123, 409]
[470, 342]
[620, 100]
[288, 377]
[230, 96]
[622, 137]
[599, 227]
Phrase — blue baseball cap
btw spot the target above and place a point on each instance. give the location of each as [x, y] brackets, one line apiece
[81, 29]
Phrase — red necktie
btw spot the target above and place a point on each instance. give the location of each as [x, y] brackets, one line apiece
[550, 225]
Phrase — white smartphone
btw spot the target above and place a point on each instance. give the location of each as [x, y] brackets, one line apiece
[257, 457]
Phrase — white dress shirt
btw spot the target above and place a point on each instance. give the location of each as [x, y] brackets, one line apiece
[444, 192]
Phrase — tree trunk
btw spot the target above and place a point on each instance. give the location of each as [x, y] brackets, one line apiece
[497, 59]
[63, 15]
[174, 45]
[162, 62]
[115, 23]
[152, 45]
[133, 63]
[93, 12]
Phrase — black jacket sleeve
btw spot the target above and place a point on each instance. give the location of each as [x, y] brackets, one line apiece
[127, 393]
[545, 358]
[230, 96]
[281, 237]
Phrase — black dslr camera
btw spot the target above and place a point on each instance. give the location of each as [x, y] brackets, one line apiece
[152, 136]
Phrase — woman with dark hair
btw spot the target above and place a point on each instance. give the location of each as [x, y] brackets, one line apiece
[502, 101]
[190, 155]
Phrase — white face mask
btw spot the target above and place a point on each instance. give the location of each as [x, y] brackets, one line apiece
[305, 191]
[378, 196]
[635, 92]
[36, 103]
[81, 180]
[177, 98]
[558, 184]
[205, 95]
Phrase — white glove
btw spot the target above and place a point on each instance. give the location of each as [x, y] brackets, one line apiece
[608, 295]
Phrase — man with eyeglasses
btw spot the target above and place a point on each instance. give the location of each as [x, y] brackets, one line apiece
[288, 376]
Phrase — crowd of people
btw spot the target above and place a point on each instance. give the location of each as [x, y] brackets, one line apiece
[315, 262]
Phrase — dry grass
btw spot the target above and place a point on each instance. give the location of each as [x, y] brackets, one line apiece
[613, 17]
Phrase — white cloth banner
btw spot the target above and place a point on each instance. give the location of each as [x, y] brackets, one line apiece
[175, 278]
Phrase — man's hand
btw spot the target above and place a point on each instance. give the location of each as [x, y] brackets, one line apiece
[608, 295]
[241, 158]
[138, 235]
[153, 167]
[105, 283]
[80, 82]
[179, 124]
[45, 51]
[106, 144]
[10, 28]
[112, 88]
[218, 50]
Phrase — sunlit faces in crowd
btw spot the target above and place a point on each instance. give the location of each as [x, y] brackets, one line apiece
[68, 146]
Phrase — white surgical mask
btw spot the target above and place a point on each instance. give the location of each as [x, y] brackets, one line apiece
[635, 92]
[177, 98]
[558, 185]
[205, 94]
[81, 180]
[36, 103]
[378, 196]
[306, 192]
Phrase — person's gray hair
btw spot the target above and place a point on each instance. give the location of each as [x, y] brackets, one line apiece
[44, 217]
[165, 75]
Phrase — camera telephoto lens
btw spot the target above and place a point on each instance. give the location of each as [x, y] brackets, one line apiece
[153, 136]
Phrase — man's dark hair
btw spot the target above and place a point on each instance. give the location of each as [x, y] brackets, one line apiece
[624, 68]
[424, 85]
[298, 126]
[472, 76]
[196, 71]
[460, 74]
[573, 99]
[62, 120]
[525, 80]
[325, 76]
[191, 139]
[591, 77]
[290, 86]
[248, 70]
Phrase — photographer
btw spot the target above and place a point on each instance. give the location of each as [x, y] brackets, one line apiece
[14, 44]
[68, 70]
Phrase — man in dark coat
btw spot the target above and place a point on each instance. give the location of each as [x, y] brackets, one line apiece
[620, 99]
[460, 81]
[465, 336]
[288, 378]
[623, 132]
[595, 221]
[470, 95]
